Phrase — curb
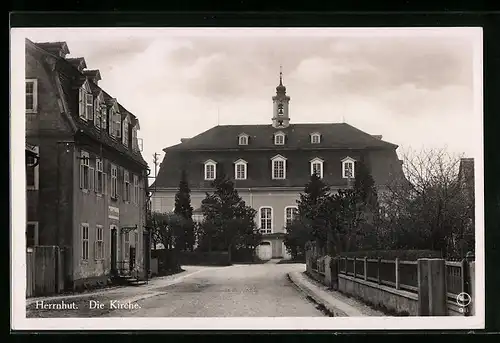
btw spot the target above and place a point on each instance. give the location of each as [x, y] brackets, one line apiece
[333, 306]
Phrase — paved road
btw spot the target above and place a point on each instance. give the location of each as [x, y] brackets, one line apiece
[238, 291]
[261, 290]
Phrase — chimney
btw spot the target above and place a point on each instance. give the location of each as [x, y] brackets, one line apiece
[60, 49]
[377, 136]
[184, 140]
[78, 63]
[93, 75]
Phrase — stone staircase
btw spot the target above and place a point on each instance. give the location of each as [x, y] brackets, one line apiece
[130, 280]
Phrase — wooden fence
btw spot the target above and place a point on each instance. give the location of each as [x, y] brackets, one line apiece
[45, 270]
[403, 274]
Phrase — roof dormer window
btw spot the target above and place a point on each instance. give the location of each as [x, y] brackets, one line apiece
[317, 167]
[125, 138]
[85, 102]
[243, 139]
[348, 164]
[278, 167]
[279, 138]
[210, 170]
[240, 170]
[315, 138]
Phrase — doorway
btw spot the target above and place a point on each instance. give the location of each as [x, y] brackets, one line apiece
[114, 236]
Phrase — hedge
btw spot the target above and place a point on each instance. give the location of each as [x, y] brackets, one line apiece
[406, 255]
[199, 258]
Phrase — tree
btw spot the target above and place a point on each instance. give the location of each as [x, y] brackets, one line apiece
[428, 208]
[229, 224]
[183, 209]
[165, 229]
[311, 209]
[367, 208]
[296, 237]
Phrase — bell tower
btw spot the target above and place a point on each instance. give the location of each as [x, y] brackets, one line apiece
[281, 116]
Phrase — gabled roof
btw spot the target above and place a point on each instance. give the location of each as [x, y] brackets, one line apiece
[71, 79]
[333, 136]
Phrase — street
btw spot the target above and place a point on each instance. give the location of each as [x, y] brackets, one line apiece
[259, 290]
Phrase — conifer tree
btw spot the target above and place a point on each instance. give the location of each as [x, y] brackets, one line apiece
[184, 209]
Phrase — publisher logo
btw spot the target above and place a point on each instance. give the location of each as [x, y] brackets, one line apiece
[463, 299]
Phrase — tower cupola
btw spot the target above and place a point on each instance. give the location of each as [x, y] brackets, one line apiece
[281, 116]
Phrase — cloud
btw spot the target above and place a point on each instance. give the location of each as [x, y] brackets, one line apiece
[177, 82]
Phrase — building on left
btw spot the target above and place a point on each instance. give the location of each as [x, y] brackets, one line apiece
[86, 179]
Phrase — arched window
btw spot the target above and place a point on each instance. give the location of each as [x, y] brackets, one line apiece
[348, 164]
[240, 170]
[317, 167]
[210, 170]
[315, 138]
[278, 167]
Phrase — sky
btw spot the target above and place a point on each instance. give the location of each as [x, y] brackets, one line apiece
[417, 88]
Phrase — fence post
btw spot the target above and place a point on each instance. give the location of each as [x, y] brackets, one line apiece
[423, 286]
[379, 262]
[396, 264]
[354, 266]
[366, 267]
[432, 299]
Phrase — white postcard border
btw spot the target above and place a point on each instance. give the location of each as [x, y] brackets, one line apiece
[18, 203]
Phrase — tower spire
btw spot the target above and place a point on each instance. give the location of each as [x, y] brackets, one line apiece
[281, 118]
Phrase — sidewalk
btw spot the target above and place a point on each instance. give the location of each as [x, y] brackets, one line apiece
[336, 303]
[126, 291]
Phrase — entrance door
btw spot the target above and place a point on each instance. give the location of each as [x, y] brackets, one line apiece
[114, 236]
[264, 251]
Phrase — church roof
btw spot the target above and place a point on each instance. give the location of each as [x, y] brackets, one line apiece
[261, 137]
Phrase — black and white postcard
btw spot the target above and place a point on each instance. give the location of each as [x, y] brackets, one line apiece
[225, 178]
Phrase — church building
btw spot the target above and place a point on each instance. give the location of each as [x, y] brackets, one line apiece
[270, 164]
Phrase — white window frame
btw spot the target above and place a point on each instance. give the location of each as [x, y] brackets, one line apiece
[125, 130]
[126, 186]
[213, 164]
[85, 241]
[98, 112]
[278, 158]
[85, 100]
[104, 117]
[319, 161]
[89, 105]
[36, 171]
[35, 233]
[292, 217]
[135, 197]
[135, 145]
[345, 162]
[315, 138]
[99, 176]
[114, 182]
[243, 139]
[84, 168]
[240, 163]
[269, 220]
[34, 108]
[99, 243]
[279, 141]
[117, 120]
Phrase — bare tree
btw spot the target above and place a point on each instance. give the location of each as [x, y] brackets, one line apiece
[427, 208]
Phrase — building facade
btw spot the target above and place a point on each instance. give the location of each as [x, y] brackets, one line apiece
[87, 194]
[270, 165]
